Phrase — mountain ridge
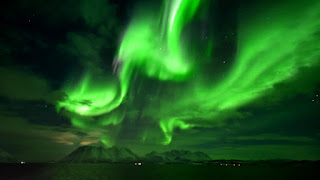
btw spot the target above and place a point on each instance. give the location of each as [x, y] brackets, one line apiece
[5, 157]
[177, 156]
[120, 154]
[100, 154]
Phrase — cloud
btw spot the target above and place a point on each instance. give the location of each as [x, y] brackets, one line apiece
[89, 141]
[65, 138]
[86, 47]
[254, 152]
[270, 136]
[97, 12]
[34, 142]
[22, 84]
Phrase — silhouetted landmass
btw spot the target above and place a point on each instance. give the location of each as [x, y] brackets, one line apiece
[93, 154]
[271, 162]
[116, 154]
[100, 154]
[5, 157]
[177, 156]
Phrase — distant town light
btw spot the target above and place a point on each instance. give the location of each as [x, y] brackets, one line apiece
[234, 165]
[226, 164]
[135, 163]
[139, 163]
[22, 162]
[238, 164]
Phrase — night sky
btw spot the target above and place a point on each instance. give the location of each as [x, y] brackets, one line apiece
[234, 79]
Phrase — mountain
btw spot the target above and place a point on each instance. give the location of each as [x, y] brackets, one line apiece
[5, 157]
[177, 156]
[101, 154]
[116, 154]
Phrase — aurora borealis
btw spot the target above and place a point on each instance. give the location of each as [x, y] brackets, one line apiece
[234, 79]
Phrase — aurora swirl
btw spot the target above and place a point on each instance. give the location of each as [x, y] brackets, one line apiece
[154, 46]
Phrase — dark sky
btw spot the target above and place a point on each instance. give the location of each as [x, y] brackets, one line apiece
[48, 46]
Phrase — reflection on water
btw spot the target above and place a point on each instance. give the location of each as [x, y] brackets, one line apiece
[152, 171]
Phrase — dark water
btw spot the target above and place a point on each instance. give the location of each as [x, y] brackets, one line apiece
[152, 171]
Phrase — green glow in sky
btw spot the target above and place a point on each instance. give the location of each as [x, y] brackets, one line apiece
[270, 50]
[153, 45]
[91, 97]
[267, 54]
[168, 125]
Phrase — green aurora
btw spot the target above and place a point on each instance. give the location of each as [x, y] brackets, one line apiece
[233, 79]
[267, 54]
[154, 45]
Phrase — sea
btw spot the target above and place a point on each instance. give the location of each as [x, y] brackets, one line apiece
[106, 171]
